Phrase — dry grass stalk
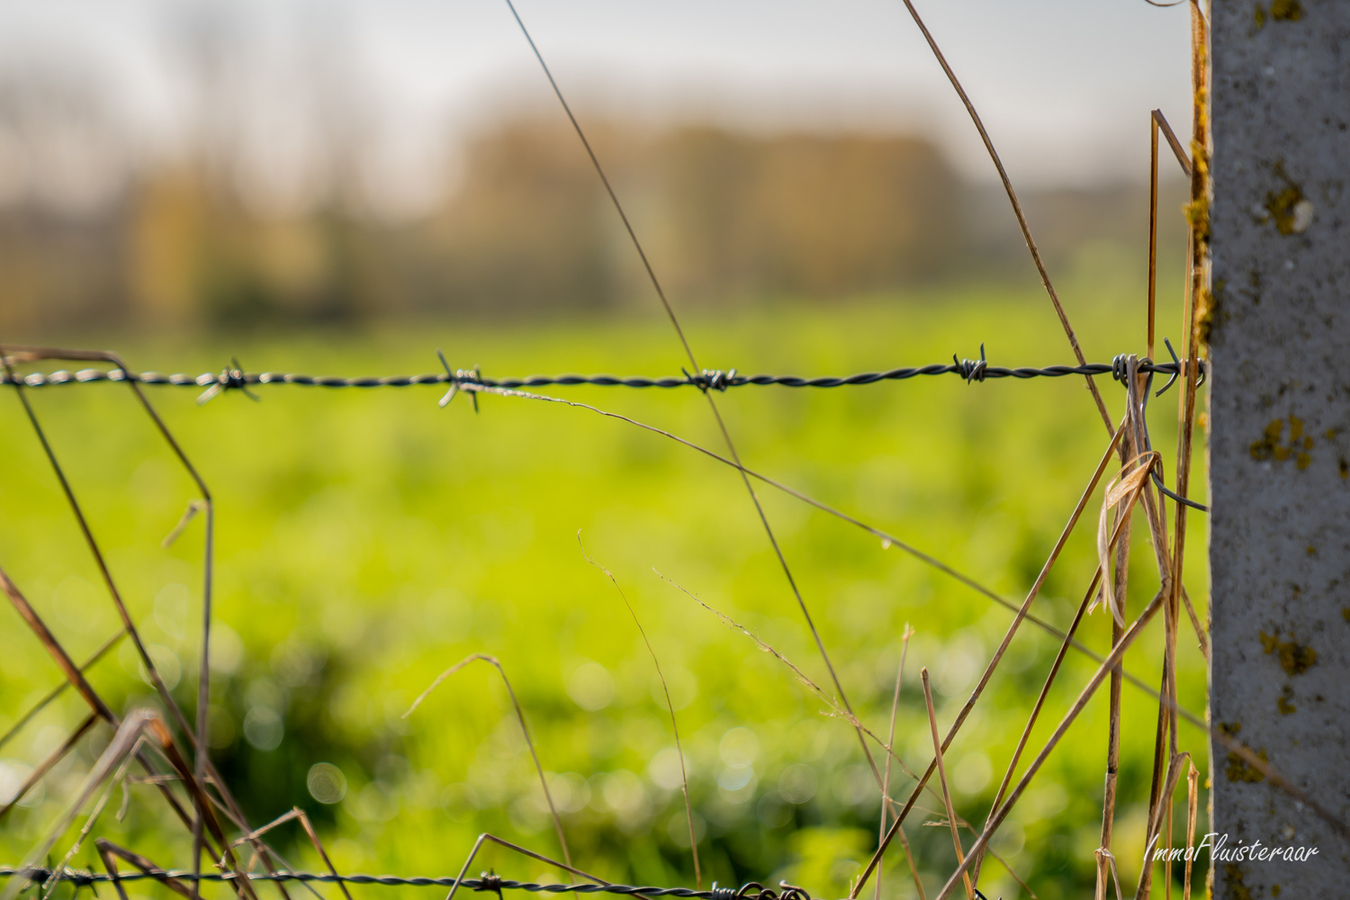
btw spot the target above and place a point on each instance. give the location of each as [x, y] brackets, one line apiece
[75, 677]
[1121, 491]
[888, 540]
[1106, 859]
[1160, 814]
[996, 819]
[117, 779]
[296, 813]
[670, 708]
[524, 728]
[516, 848]
[942, 779]
[203, 768]
[1186, 420]
[123, 744]
[42, 768]
[905, 635]
[1091, 592]
[909, 858]
[57, 691]
[107, 851]
[998, 654]
[1192, 804]
[1119, 588]
[712, 403]
[1016, 205]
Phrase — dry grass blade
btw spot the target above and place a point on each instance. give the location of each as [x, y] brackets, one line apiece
[835, 707]
[298, 813]
[74, 674]
[57, 691]
[123, 744]
[914, 869]
[45, 766]
[1160, 812]
[1119, 590]
[1088, 691]
[107, 850]
[1121, 491]
[1009, 869]
[524, 729]
[1192, 804]
[1112, 750]
[76, 678]
[1016, 205]
[905, 635]
[1198, 270]
[1007, 640]
[117, 779]
[1045, 689]
[942, 779]
[712, 404]
[203, 769]
[670, 708]
[482, 838]
[888, 540]
[1160, 121]
[1106, 859]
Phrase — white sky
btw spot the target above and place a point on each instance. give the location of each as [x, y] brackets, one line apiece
[1064, 86]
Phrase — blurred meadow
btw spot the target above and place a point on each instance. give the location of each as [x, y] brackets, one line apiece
[367, 540]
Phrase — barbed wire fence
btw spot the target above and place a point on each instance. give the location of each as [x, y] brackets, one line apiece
[171, 748]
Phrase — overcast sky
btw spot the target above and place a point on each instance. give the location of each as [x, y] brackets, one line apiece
[1064, 86]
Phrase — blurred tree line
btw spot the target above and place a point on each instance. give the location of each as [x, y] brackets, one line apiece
[88, 239]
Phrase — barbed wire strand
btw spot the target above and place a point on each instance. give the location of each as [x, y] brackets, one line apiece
[229, 379]
[81, 878]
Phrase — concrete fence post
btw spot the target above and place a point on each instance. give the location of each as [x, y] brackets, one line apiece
[1279, 453]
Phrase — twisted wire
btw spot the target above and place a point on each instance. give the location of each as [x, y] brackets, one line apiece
[705, 380]
[80, 878]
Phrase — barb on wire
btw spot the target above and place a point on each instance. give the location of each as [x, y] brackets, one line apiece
[972, 369]
[228, 380]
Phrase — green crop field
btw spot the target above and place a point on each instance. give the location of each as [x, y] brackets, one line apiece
[366, 540]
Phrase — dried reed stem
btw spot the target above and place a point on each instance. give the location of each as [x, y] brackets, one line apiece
[942, 779]
[1016, 205]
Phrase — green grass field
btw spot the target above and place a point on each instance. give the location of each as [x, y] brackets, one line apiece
[367, 540]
